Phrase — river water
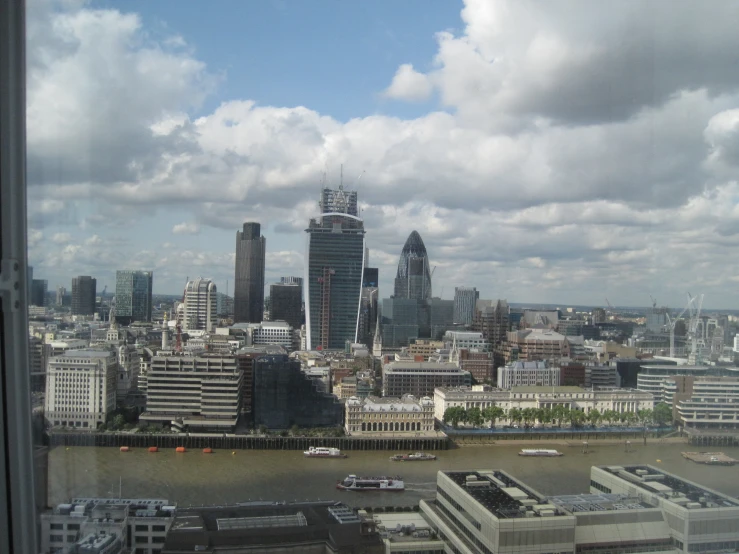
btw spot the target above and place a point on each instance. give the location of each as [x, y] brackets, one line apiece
[194, 478]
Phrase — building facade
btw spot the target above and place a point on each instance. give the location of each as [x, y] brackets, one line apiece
[251, 248]
[421, 378]
[379, 416]
[536, 344]
[80, 388]
[334, 271]
[195, 392]
[133, 292]
[201, 305]
[517, 374]
[465, 301]
[493, 319]
[83, 295]
[286, 304]
[471, 340]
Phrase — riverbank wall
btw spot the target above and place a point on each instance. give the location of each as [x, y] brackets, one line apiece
[470, 439]
[246, 442]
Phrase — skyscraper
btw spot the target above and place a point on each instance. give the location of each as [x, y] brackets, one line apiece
[83, 295]
[334, 268]
[61, 292]
[133, 296]
[201, 303]
[465, 300]
[39, 287]
[368, 304]
[251, 249]
[286, 303]
[414, 277]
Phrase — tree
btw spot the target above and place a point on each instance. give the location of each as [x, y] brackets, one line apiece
[645, 416]
[262, 429]
[576, 418]
[294, 430]
[118, 422]
[545, 415]
[515, 415]
[662, 414]
[474, 416]
[594, 417]
[528, 415]
[493, 413]
[454, 415]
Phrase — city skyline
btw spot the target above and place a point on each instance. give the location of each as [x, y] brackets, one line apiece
[478, 156]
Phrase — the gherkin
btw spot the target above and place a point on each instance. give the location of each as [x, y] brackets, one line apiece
[414, 277]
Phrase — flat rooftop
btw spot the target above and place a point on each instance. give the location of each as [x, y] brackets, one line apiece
[670, 486]
[502, 495]
[536, 389]
[598, 502]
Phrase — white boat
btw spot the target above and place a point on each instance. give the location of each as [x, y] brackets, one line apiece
[539, 452]
[366, 484]
[323, 452]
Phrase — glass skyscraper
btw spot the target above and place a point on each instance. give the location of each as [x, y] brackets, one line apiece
[251, 249]
[84, 289]
[413, 279]
[133, 296]
[334, 268]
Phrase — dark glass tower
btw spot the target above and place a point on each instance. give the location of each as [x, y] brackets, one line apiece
[286, 303]
[133, 296]
[251, 248]
[414, 277]
[334, 268]
[83, 295]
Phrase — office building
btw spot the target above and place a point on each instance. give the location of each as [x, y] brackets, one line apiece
[285, 396]
[413, 279]
[424, 348]
[470, 340]
[260, 334]
[441, 317]
[421, 378]
[286, 304]
[518, 374]
[133, 291]
[251, 248]
[699, 519]
[301, 527]
[399, 322]
[201, 305]
[334, 271]
[573, 374]
[480, 364]
[224, 305]
[492, 319]
[465, 301]
[80, 388]
[105, 525]
[539, 318]
[196, 393]
[599, 376]
[368, 307]
[656, 320]
[574, 398]
[38, 358]
[84, 294]
[61, 292]
[407, 416]
[39, 288]
[245, 359]
[535, 344]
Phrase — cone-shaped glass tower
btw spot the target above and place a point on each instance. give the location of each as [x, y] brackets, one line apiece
[414, 277]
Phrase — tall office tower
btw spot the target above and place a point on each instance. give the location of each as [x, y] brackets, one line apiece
[38, 292]
[368, 304]
[465, 300]
[60, 293]
[291, 281]
[251, 248]
[83, 295]
[201, 305]
[492, 319]
[333, 271]
[286, 303]
[133, 296]
[414, 277]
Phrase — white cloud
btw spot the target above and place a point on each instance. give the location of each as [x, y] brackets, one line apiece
[186, 228]
[408, 84]
[61, 238]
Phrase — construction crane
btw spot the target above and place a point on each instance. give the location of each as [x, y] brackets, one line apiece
[671, 324]
[654, 302]
[695, 315]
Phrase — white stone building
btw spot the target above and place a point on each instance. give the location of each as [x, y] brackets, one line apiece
[81, 388]
[201, 305]
[381, 416]
[467, 339]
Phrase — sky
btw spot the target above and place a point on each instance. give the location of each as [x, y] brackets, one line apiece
[557, 152]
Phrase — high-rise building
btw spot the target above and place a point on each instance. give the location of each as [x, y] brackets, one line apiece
[251, 249]
[441, 316]
[61, 292]
[413, 279]
[286, 304]
[133, 296]
[291, 281]
[83, 295]
[201, 305]
[368, 304]
[334, 268]
[492, 319]
[39, 288]
[465, 300]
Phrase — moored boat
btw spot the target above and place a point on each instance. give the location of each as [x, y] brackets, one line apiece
[365, 484]
[323, 452]
[207, 450]
[539, 452]
[417, 457]
[125, 449]
[153, 449]
[180, 449]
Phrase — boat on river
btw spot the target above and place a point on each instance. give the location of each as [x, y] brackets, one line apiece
[539, 452]
[417, 457]
[323, 452]
[366, 484]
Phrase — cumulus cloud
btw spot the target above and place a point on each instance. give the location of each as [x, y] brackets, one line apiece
[408, 84]
[581, 148]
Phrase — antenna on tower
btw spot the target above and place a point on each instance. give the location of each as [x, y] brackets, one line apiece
[341, 178]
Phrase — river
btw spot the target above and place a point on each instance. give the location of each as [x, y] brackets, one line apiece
[194, 478]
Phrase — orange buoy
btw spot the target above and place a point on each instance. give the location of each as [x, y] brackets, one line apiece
[125, 449]
[153, 449]
[180, 449]
[207, 450]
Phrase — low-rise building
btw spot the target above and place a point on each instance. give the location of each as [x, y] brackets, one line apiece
[599, 376]
[407, 532]
[377, 416]
[471, 340]
[535, 344]
[81, 388]
[197, 392]
[108, 524]
[517, 374]
[424, 348]
[481, 365]
[421, 378]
